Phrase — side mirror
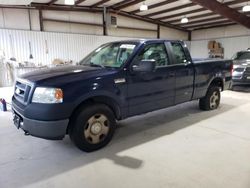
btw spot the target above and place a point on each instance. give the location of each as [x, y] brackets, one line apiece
[144, 66]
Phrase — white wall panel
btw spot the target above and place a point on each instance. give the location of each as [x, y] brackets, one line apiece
[16, 18]
[220, 32]
[169, 33]
[236, 31]
[129, 22]
[131, 33]
[2, 24]
[34, 15]
[72, 28]
[74, 16]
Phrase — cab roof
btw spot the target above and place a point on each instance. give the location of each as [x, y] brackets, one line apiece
[148, 40]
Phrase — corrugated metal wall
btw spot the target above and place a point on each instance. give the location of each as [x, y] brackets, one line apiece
[15, 43]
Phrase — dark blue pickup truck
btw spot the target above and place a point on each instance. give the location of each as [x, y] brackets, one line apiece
[116, 81]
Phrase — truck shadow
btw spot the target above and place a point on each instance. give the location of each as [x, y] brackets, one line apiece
[62, 156]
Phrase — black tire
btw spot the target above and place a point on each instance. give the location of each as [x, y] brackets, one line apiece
[86, 121]
[212, 99]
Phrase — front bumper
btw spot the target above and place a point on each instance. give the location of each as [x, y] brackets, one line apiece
[241, 78]
[240, 82]
[52, 130]
[244, 80]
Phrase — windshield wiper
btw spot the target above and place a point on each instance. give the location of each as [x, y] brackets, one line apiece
[95, 65]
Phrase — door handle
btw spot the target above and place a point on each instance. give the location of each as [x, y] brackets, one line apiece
[171, 74]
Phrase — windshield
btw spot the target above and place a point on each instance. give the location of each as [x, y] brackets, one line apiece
[241, 56]
[110, 55]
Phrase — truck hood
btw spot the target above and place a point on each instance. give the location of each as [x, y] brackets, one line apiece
[242, 62]
[49, 73]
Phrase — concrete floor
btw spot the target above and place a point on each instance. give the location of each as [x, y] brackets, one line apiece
[177, 147]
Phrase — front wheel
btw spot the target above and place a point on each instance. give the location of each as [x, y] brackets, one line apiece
[92, 127]
[212, 99]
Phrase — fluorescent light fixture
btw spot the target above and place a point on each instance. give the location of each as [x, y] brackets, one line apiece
[69, 2]
[143, 7]
[184, 20]
[246, 8]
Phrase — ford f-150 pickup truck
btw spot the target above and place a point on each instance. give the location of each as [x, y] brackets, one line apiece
[116, 81]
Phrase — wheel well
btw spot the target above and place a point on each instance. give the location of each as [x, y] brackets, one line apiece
[100, 100]
[218, 82]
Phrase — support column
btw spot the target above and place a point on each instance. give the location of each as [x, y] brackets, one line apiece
[41, 20]
[189, 35]
[104, 21]
[158, 31]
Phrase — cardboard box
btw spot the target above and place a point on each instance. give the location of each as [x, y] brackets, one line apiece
[211, 44]
[217, 45]
[217, 51]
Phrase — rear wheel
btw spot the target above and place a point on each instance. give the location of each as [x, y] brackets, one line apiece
[212, 99]
[92, 127]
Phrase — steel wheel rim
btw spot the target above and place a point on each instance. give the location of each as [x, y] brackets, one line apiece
[96, 128]
[214, 100]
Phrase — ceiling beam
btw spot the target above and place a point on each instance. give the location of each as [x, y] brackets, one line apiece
[99, 3]
[170, 9]
[65, 8]
[202, 20]
[200, 16]
[207, 24]
[194, 17]
[16, 7]
[145, 19]
[127, 4]
[225, 11]
[121, 3]
[51, 2]
[79, 2]
[214, 26]
[235, 2]
[71, 22]
[155, 5]
[181, 14]
[199, 10]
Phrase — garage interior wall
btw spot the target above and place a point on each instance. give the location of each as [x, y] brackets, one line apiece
[65, 40]
[233, 38]
[64, 37]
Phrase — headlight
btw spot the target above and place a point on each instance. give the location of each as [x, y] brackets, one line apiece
[47, 95]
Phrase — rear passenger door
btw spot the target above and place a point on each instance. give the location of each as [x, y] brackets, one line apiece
[184, 72]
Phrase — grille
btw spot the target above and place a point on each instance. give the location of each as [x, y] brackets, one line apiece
[22, 92]
[237, 77]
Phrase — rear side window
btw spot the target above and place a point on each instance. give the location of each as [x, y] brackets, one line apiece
[178, 53]
[155, 52]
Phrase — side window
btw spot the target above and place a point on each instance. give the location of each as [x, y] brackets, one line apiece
[179, 53]
[155, 52]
